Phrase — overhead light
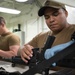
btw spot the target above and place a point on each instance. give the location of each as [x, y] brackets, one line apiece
[21, 0]
[10, 11]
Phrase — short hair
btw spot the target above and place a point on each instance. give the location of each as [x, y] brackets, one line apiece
[2, 20]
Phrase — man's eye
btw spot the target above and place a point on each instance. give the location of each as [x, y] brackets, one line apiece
[46, 17]
[55, 14]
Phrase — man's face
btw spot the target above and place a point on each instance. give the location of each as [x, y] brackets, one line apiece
[55, 19]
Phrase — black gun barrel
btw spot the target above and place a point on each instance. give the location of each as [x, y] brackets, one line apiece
[14, 60]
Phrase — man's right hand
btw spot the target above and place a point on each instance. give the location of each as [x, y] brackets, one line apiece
[26, 53]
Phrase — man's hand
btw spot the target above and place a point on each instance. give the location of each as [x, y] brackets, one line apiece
[26, 53]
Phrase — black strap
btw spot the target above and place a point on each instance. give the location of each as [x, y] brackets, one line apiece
[47, 45]
[47, 63]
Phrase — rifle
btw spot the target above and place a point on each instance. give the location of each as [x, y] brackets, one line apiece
[41, 66]
[37, 58]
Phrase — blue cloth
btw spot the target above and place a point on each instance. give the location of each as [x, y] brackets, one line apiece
[52, 51]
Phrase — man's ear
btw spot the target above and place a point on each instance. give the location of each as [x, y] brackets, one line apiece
[2, 23]
[66, 13]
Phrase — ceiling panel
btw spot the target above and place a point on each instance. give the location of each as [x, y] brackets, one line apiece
[27, 7]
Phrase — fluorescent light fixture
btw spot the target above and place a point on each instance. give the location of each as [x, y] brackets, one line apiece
[21, 0]
[10, 11]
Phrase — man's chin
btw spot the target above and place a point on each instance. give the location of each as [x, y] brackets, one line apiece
[55, 30]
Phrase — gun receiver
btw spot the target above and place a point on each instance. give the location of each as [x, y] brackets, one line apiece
[14, 60]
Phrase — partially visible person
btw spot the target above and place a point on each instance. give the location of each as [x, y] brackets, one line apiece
[9, 42]
[55, 15]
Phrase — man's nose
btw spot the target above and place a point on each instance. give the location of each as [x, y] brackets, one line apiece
[51, 19]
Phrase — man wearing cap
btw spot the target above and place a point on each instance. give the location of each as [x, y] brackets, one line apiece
[55, 15]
